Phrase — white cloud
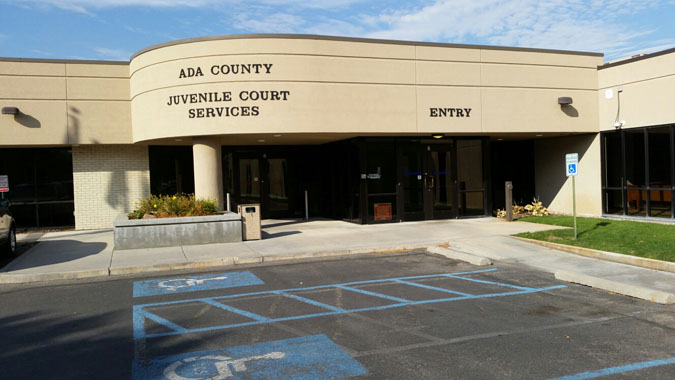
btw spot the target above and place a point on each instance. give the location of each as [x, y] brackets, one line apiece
[115, 54]
[271, 23]
[558, 24]
[85, 6]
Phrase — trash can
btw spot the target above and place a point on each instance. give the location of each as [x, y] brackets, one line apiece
[250, 221]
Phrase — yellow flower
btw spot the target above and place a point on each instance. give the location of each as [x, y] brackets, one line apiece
[134, 202]
[174, 197]
[155, 206]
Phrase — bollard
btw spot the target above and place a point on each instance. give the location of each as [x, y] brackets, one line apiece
[508, 189]
[227, 199]
[306, 206]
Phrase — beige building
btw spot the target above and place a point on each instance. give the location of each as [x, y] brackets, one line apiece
[368, 130]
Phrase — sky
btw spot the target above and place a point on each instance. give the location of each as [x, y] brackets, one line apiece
[116, 29]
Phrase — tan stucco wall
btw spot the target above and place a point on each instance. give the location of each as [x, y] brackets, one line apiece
[64, 103]
[648, 92]
[554, 188]
[106, 180]
[364, 87]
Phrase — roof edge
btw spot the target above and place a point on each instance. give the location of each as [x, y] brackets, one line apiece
[354, 39]
[50, 60]
[636, 58]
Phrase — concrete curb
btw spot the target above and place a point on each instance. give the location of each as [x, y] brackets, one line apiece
[8, 278]
[461, 256]
[608, 256]
[652, 295]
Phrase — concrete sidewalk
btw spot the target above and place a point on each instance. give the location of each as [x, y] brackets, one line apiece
[83, 254]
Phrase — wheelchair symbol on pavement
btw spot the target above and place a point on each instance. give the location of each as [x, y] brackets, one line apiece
[202, 367]
[175, 284]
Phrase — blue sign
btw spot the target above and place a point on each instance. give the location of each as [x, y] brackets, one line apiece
[311, 357]
[572, 168]
[571, 164]
[191, 283]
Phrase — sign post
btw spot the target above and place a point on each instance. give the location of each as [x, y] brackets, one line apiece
[4, 185]
[572, 169]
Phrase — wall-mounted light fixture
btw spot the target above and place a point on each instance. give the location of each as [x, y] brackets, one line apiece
[438, 135]
[10, 111]
[564, 100]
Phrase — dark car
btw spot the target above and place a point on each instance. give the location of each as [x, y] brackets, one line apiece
[7, 229]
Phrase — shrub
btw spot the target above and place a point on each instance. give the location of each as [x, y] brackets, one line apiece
[536, 208]
[168, 206]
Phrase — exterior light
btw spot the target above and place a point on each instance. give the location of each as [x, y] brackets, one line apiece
[564, 100]
[10, 111]
[438, 135]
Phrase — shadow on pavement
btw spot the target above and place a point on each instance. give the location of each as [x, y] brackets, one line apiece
[54, 252]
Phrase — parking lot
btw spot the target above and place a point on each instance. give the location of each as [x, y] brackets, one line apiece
[407, 315]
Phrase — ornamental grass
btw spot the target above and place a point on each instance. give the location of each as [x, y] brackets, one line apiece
[173, 206]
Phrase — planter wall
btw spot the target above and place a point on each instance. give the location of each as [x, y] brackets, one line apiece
[169, 232]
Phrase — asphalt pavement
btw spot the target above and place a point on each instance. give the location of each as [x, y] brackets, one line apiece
[395, 316]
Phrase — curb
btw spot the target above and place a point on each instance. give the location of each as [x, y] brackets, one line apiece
[461, 256]
[665, 266]
[652, 295]
[8, 278]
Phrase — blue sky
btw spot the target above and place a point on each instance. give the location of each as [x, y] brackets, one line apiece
[115, 29]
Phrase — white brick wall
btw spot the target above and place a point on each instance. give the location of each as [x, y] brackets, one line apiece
[106, 180]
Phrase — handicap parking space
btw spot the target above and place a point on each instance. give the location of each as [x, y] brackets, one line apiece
[414, 322]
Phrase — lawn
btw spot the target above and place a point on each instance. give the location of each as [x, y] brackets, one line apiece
[650, 240]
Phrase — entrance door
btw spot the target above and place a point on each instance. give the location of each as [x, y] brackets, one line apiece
[428, 181]
[440, 182]
[263, 180]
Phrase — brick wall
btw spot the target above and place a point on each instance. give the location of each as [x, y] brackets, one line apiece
[106, 180]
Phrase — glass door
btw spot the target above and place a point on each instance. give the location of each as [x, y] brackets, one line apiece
[249, 180]
[440, 182]
[411, 185]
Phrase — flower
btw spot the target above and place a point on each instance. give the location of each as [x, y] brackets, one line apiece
[155, 206]
[134, 202]
[174, 197]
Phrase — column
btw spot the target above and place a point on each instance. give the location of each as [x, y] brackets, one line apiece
[206, 155]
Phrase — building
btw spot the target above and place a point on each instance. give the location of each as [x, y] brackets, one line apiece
[371, 130]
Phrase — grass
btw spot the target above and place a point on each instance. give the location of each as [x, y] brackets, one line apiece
[650, 240]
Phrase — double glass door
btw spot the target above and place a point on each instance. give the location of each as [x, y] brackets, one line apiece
[263, 180]
[428, 186]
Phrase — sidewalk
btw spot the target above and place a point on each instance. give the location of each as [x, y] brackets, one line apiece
[83, 254]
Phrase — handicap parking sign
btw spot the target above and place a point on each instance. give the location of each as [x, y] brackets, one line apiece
[571, 164]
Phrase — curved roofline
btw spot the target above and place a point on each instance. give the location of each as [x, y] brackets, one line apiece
[353, 39]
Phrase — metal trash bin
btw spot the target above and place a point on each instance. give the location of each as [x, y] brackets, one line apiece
[250, 221]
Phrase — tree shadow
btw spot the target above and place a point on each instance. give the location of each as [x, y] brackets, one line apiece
[38, 345]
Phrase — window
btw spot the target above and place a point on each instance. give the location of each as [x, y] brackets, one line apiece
[638, 172]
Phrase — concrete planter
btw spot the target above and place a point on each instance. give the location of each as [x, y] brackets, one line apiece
[168, 232]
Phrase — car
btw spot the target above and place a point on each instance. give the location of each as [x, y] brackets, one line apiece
[7, 229]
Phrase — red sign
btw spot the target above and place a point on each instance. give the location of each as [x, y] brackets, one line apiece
[382, 211]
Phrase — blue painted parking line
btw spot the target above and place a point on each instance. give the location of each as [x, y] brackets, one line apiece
[618, 369]
[141, 312]
[311, 302]
[194, 283]
[374, 294]
[417, 284]
[309, 357]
